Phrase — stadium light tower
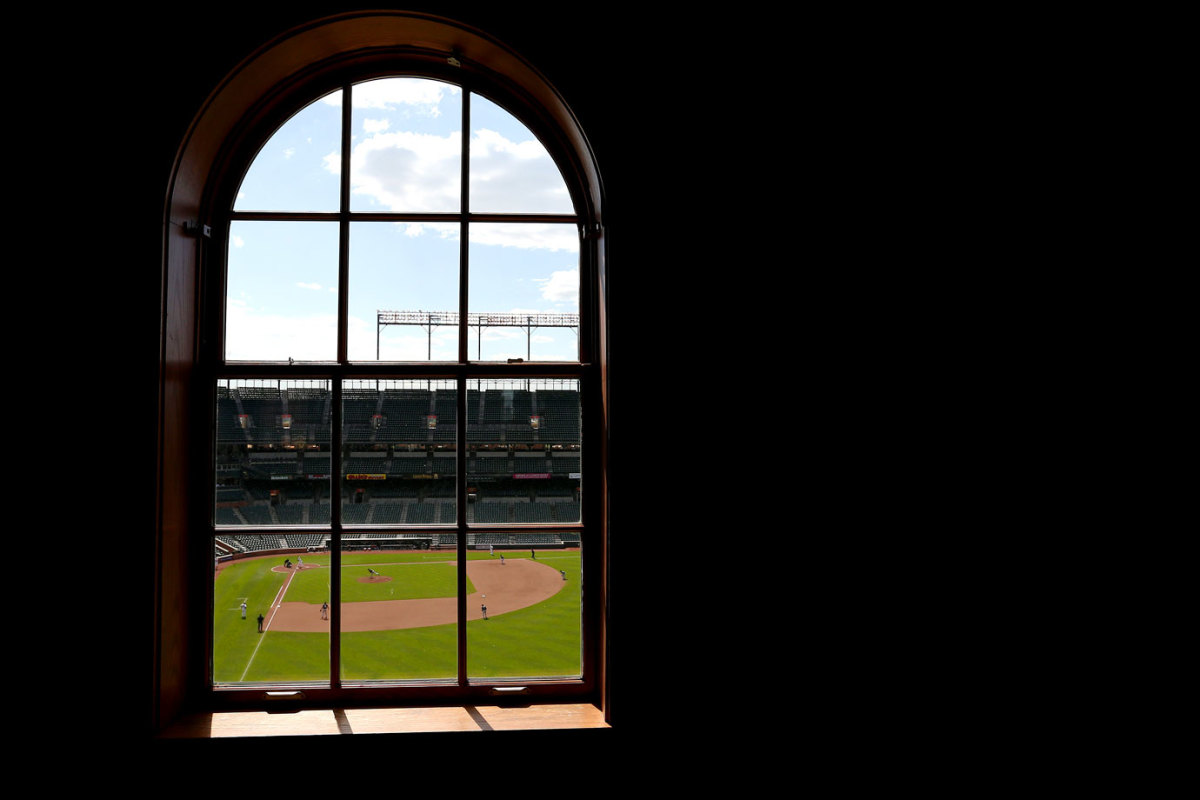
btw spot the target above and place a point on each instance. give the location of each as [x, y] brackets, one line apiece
[431, 319]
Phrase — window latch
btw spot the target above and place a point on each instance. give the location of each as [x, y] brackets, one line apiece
[196, 229]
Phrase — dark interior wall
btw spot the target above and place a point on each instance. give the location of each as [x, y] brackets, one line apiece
[841, 153]
[136, 82]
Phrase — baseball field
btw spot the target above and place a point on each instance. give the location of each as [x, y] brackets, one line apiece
[398, 616]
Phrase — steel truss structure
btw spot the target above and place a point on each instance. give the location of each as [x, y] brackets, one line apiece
[432, 319]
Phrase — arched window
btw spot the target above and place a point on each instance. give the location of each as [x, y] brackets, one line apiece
[392, 391]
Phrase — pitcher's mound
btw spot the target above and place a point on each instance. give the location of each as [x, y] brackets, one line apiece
[374, 579]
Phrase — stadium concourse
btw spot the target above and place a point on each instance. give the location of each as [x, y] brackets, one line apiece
[275, 467]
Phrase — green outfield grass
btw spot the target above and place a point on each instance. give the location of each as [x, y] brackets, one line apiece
[426, 574]
[539, 641]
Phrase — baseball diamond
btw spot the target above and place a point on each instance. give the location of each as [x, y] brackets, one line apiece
[516, 584]
[398, 614]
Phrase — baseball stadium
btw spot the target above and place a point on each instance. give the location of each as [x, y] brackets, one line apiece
[394, 583]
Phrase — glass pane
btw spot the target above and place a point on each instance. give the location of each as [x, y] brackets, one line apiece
[398, 467]
[282, 298]
[272, 454]
[523, 468]
[524, 461]
[524, 617]
[270, 622]
[407, 154]
[511, 171]
[399, 579]
[399, 607]
[403, 293]
[524, 292]
[297, 169]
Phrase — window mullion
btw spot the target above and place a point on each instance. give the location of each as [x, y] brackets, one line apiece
[335, 543]
[337, 431]
[464, 228]
[460, 436]
[344, 229]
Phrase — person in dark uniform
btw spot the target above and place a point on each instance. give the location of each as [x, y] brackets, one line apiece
[260, 622]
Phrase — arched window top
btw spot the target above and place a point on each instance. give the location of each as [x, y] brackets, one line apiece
[406, 155]
[388, 156]
[315, 60]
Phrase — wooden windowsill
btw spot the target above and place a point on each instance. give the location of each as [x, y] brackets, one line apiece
[341, 722]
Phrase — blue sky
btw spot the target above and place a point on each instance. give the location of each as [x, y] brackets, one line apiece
[282, 293]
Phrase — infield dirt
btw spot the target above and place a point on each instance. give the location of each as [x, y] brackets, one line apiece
[509, 585]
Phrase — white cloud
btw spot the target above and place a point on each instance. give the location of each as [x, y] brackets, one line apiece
[404, 171]
[407, 171]
[561, 287]
[314, 286]
[445, 230]
[237, 241]
[489, 142]
[417, 94]
[333, 163]
[515, 176]
[528, 235]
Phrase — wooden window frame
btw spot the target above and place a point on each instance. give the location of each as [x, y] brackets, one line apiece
[250, 104]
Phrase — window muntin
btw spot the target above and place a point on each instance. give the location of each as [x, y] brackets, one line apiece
[425, 261]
